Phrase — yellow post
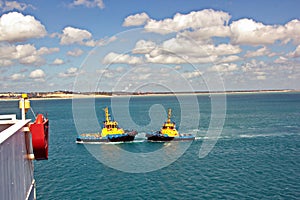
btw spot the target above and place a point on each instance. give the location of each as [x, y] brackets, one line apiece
[24, 105]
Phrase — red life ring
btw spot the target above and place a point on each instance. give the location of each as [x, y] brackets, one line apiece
[39, 131]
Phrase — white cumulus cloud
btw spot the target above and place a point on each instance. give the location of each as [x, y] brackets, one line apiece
[185, 46]
[37, 75]
[229, 59]
[192, 20]
[247, 31]
[58, 61]
[14, 5]
[16, 77]
[192, 74]
[136, 20]
[15, 27]
[71, 72]
[261, 77]
[88, 3]
[281, 59]
[5, 63]
[226, 67]
[292, 31]
[75, 52]
[143, 47]
[264, 51]
[184, 50]
[46, 50]
[72, 35]
[296, 53]
[112, 57]
[206, 33]
[25, 54]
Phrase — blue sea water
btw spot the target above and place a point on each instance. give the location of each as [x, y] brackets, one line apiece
[257, 155]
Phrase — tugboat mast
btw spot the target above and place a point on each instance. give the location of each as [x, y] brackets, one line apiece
[106, 114]
[169, 115]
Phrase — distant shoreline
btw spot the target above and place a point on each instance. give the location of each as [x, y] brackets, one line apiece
[62, 95]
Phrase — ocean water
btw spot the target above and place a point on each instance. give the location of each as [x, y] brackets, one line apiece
[257, 155]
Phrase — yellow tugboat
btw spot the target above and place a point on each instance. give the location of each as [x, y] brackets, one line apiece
[110, 133]
[168, 132]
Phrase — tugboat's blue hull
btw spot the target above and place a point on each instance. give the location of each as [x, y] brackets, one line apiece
[90, 140]
[125, 138]
[94, 138]
[158, 137]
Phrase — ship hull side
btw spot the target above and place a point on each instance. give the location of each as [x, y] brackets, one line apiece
[162, 138]
[94, 138]
[125, 138]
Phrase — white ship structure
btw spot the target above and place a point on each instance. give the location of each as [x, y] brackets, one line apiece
[21, 141]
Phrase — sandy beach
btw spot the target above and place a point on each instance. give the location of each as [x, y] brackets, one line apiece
[49, 96]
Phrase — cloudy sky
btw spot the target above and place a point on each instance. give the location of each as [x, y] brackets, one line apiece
[98, 45]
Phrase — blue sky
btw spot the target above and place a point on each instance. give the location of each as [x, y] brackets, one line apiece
[98, 45]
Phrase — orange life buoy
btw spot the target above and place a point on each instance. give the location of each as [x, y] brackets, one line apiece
[39, 131]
